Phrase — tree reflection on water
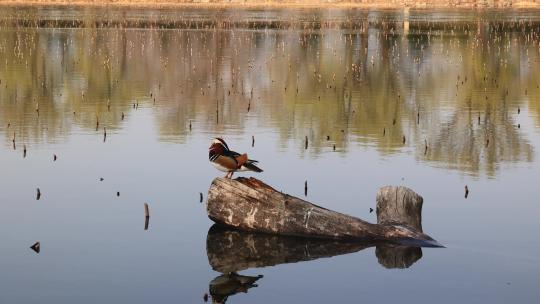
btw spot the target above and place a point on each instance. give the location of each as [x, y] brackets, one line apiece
[351, 78]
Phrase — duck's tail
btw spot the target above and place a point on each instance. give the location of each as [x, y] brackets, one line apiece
[252, 167]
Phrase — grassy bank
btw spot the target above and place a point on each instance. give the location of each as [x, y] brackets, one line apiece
[394, 4]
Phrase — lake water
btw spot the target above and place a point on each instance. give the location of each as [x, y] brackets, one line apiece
[369, 89]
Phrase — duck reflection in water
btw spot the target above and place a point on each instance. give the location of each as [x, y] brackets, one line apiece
[225, 285]
[230, 251]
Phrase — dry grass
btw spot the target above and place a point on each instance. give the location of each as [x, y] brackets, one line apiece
[381, 4]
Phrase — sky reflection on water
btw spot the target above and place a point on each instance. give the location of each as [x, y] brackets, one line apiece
[372, 90]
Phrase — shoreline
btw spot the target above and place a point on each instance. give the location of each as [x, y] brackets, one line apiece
[265, 4]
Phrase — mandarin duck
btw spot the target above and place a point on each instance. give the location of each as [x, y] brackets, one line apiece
[229, 161]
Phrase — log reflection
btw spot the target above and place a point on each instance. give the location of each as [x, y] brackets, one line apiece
[397, 256]
[230, 251]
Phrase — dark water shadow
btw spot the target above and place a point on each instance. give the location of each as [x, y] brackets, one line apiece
[230, 251]
[225, 285]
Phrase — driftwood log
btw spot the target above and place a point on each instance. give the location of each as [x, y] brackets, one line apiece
[231, 250]
[251, 205]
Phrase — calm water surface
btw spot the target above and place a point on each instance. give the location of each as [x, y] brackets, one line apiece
[368, 89]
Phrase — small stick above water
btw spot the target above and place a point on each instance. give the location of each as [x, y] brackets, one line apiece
[146, 210]
[146, 216]
[36, 247]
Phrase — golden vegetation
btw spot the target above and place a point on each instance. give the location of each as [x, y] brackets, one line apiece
[343, 79]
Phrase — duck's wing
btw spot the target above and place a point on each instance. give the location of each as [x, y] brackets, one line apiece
[226, 162]
[232, 154]
[235, 154]
[242, 160]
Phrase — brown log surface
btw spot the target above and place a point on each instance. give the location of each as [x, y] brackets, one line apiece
[251, 205]
[399, 205]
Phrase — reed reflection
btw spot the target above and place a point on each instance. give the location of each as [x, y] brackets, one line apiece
[365, 83]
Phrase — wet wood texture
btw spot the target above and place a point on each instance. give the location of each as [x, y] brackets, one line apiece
[399, 205]
[251, 205]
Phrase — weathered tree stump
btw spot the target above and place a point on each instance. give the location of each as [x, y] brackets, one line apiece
[399, 205]
[251, 205]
